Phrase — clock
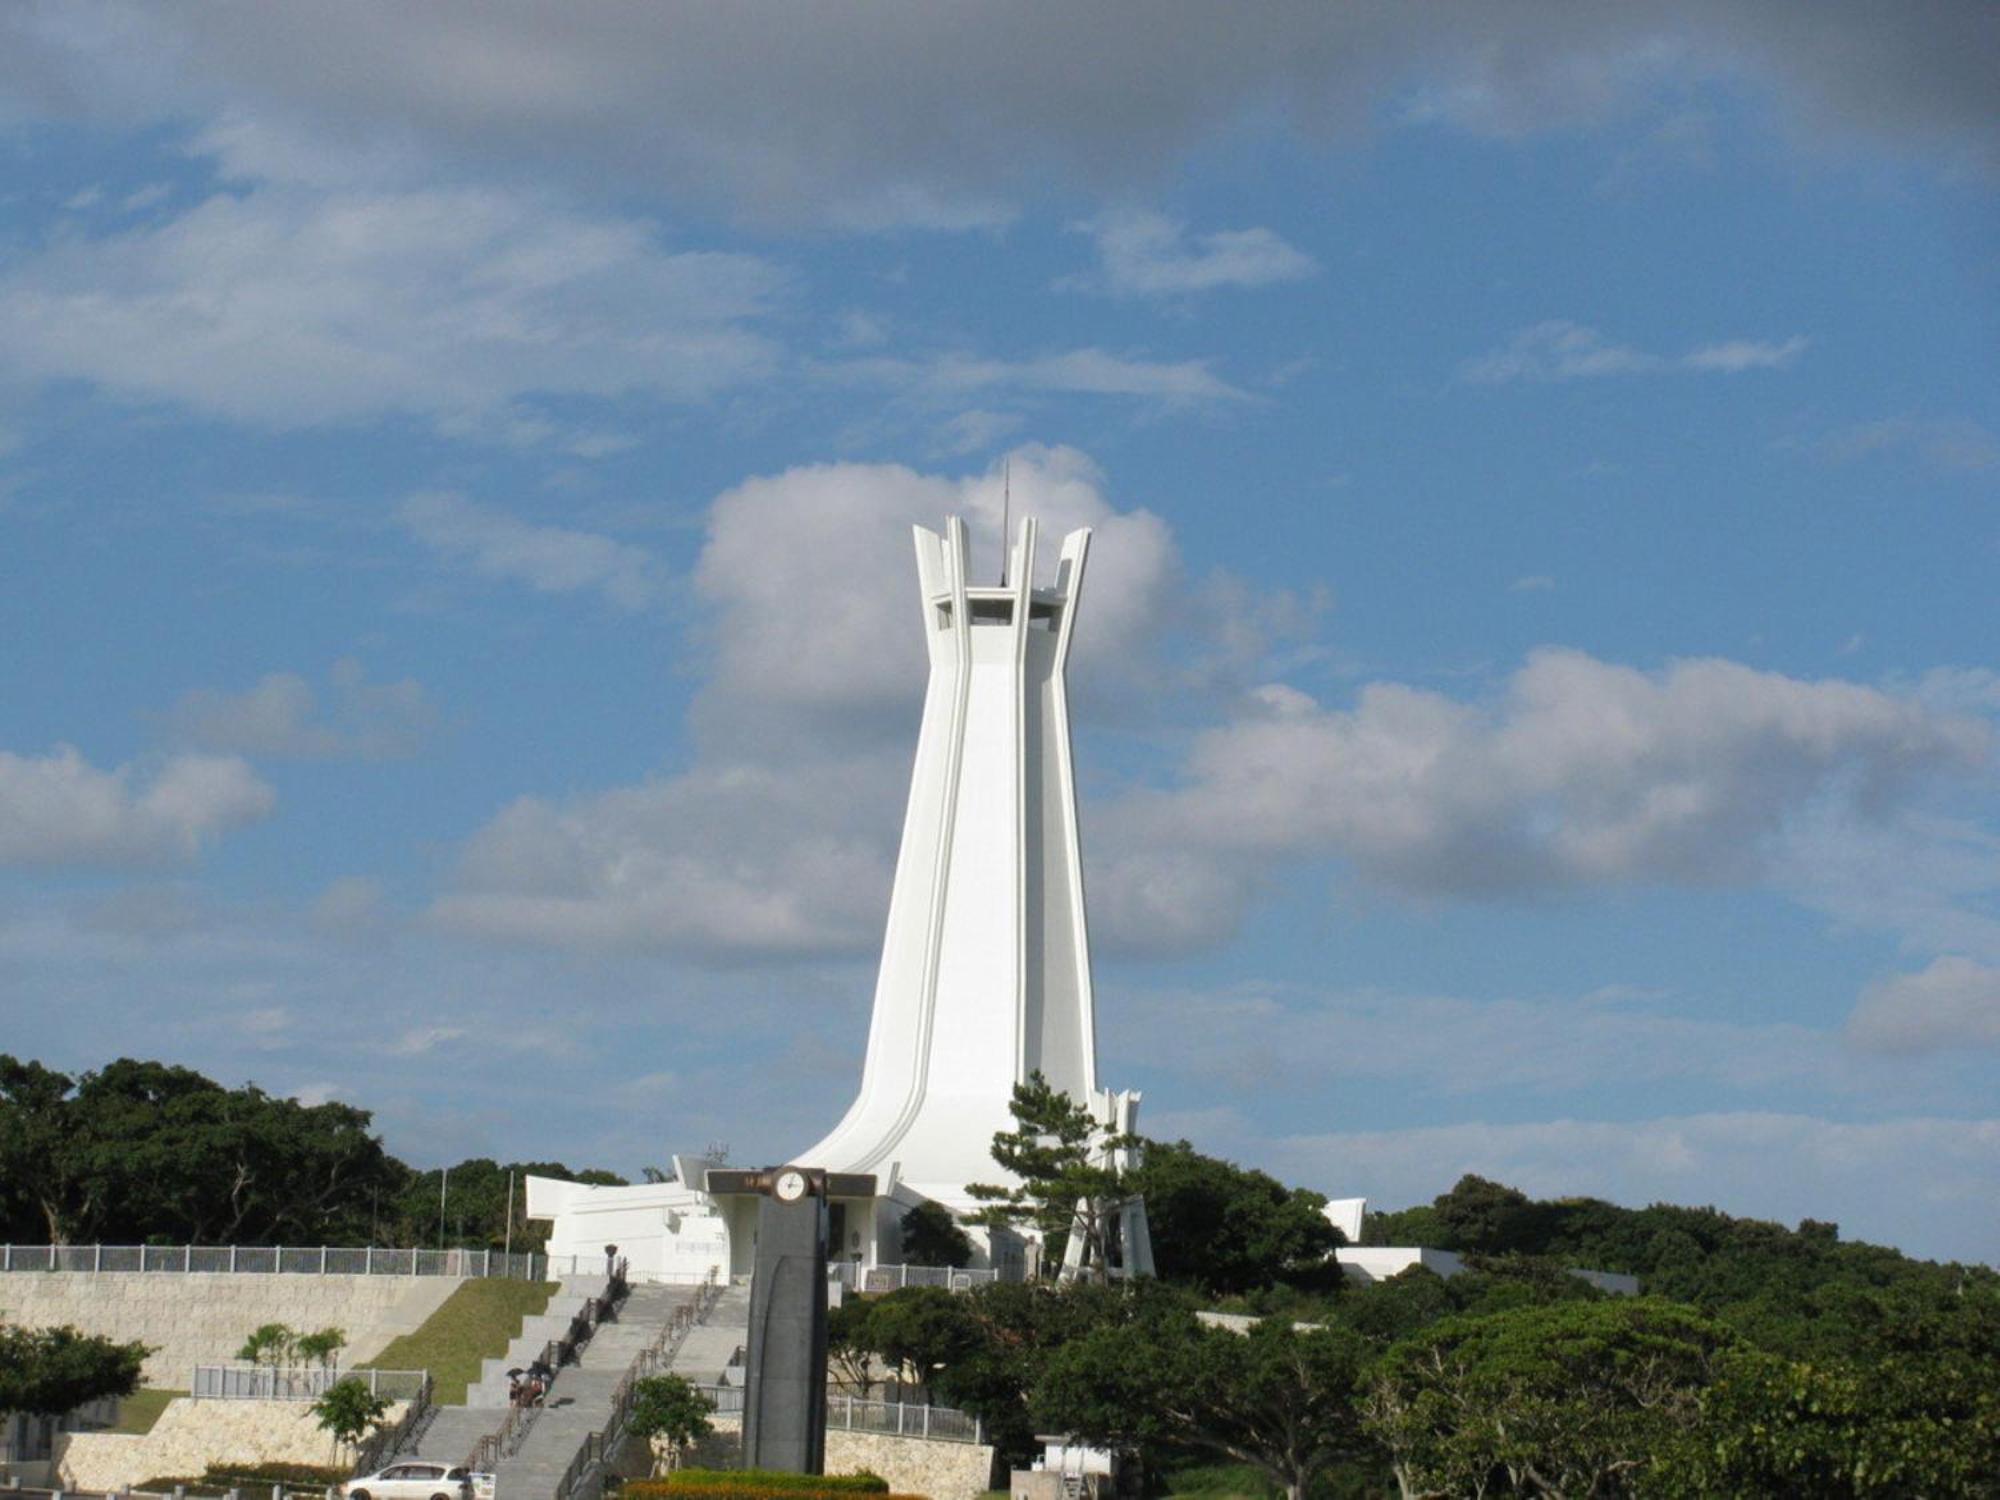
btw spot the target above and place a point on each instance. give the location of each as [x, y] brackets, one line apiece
[790, 1185]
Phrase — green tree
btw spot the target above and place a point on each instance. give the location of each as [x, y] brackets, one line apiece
[1057, 1152]
[850, 1347]
[1229, 1229]
[932, 1237]
[141, 1151]
[349, 1411]
[1279, 1398]
[49, 1371]
[921, 1330]
[669, 1407]
[1557, 1399]
[269, 1344]
[320, 1347]
[1836, 1431]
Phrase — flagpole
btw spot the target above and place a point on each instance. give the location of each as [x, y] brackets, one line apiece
[510, 1213]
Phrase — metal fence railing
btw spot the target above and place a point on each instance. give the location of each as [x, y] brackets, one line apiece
[286, 1260]
[939, 1424]
[859, 1278]
[241, 1382]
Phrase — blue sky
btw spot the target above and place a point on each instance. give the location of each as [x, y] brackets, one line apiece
[1537, 692]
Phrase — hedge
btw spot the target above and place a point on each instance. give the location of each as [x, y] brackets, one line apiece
[749, 1484]
[220, 1479]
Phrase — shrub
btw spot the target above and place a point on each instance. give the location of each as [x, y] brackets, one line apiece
[749, 1484]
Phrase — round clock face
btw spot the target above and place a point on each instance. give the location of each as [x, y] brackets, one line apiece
[790, 1185]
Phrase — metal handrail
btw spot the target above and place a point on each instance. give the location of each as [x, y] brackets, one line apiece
[506, 1440]
[384, 1441]
[667, 1344]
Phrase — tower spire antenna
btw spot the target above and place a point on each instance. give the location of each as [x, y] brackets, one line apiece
[1006, 512]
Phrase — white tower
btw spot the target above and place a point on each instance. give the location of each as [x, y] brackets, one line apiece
[985, 972]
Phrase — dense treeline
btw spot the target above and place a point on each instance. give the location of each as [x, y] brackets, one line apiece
[148, 1153]
[1760, 1361]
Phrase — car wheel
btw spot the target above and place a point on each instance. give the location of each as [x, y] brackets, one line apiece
[440, 1497]
[359, 1495]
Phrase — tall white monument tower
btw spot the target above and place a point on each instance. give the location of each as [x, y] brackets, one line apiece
[985, 972]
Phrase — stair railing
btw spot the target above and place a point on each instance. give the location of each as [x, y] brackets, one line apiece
[584, 1478]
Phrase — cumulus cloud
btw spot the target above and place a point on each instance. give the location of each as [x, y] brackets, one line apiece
[287, 307]
[283, 715]
[1581, 772]
[1145, 254]
[780, 837]
[907, 114]
[1560, 350]
[1953, 1003]
[58, 809]
[549, 559]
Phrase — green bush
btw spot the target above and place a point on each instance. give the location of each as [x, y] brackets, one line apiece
[748, 1484]
[220, 1479]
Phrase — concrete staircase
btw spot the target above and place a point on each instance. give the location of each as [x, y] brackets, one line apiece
[580, 1404]
[491, 1389]
[452, 1434]
[705, 1354]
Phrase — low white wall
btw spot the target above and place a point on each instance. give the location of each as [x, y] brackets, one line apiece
[191, 1435]
[203, 1319]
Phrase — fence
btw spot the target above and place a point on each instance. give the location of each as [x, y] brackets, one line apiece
[298, 1383]
[938, 1424]
[859, 1278]
[560, 1266]
[285, 1260]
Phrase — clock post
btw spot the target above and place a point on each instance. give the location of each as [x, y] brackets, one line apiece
[784, 1398]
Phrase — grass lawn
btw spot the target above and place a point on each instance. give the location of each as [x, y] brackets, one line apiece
[476, 1322]
[139, 1411]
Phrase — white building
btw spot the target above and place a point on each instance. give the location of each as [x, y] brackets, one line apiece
[985, 974]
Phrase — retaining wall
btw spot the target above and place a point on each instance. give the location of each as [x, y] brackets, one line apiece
[190, 1435]
[203, 1319]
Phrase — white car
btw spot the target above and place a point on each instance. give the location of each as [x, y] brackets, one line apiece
[420, 1479]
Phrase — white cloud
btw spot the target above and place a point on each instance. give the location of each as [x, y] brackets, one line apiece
[58, 809]
[549, 559]
[1582, 772]
[1922, 1183]
[911, 114]
[1953, 1003]
[288, 306]
[1735, 355]
[950, 378]
[1947, 445]
[1146, 254]
[780, 837]
[1561, 350]
[1277, 1041]
[282, 715]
